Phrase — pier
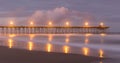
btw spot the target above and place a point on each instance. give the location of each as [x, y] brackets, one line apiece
[50, 29]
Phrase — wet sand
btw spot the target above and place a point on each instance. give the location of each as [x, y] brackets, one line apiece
[24, 56]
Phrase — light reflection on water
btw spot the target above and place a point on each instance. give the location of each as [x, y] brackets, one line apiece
[49, 47]
[59, 43]
[10, 43]
[101, 52]
[86, 51]
[30, 46]
[66, 49]
[50, 37]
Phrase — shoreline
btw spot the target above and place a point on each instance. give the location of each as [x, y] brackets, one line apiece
[25, 56]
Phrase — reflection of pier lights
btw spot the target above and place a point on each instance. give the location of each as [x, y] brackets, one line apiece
[102, 34]
[102, 37]
[12, 35]
[31, 36]
[87, 35]
[10, 43]
[50, 37]
[85, 51]
[101, 53]
[66, 49]
[101, 62]
[87, 38]
[49, 47]
[67, 39]
[30, 46]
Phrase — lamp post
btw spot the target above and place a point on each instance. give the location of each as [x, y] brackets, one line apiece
[67, 23]
[86, 24]
[50, 23]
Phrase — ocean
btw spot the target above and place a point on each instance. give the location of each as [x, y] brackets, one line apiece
[97, 45]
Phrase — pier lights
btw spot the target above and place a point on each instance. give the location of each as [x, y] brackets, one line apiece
[86, 24]
[31, 23]
[101, 24]
[67, 23]
[11, 23]
[50, 23]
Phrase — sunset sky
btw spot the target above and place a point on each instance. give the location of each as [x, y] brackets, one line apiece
[76, 11]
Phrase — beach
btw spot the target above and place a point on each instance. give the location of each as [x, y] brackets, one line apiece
[24, 56]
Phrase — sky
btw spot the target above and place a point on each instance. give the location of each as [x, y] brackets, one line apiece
[59, 11]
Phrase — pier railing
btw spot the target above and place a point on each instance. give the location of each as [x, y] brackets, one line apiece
[52, 29]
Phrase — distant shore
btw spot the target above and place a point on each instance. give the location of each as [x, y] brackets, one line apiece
[24, 56]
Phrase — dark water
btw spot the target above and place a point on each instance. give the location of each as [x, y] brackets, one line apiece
[99, 45]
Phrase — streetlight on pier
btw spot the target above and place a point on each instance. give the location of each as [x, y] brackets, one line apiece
[67, 23]
[50, 23]
[31, 23]
[86, 24]
[11, 23]
[102, 24]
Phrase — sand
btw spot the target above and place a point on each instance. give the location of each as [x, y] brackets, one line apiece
[24, 56]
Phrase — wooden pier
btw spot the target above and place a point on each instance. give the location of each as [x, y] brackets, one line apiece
[52, 29]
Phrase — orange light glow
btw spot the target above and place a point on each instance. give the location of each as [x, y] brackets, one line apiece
[31, 36]
[101, 53]
[66, 49]
[10, 42]
[86, 40]
[50, 23]
[67, 35]
[67, 40]
[30, 45]
[101, 62]
[50, 38]
[86, 24]
[31, 23]
[67, 23]
[101, 24]
[87, 35]
[85, 51]
[102, 34]
[12, 35]
[49, 47]
[11, 23]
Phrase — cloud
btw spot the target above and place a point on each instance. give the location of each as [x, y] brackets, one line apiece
[59, 15]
